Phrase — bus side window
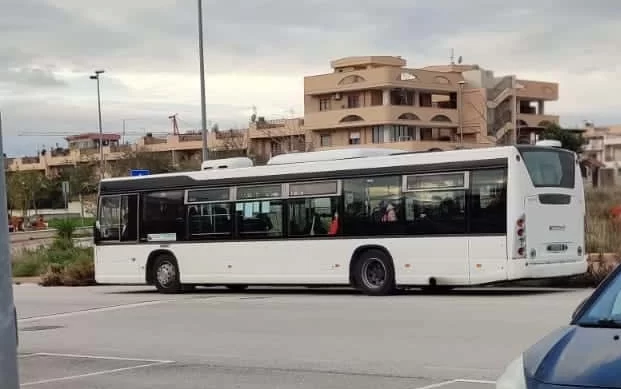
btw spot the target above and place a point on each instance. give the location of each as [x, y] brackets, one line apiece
[109, 218]
[129, 218]
[488, 205]
[163, 213]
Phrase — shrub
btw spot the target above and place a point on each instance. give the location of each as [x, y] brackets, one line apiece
[603, 233]
[59, 264]
[65, 229]
[79, 273]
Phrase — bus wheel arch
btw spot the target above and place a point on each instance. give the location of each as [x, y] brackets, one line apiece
[167, 261]
[149, 271]
[381, 258]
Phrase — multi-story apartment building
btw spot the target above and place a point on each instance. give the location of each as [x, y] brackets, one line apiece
[362, 102]
[604, 149]
[378, 101]
[84, 148]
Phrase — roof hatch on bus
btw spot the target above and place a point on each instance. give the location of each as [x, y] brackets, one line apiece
[230, 163]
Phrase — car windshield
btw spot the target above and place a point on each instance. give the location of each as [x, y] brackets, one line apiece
[605, 310]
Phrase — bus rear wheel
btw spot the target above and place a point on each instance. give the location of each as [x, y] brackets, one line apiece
[374, 273]
[166, 274]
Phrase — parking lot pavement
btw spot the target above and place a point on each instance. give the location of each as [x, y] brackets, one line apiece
[110, 337]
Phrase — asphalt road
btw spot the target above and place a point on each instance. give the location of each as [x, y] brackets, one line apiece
[111, 337]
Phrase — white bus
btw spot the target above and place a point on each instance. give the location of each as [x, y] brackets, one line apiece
[377, 223]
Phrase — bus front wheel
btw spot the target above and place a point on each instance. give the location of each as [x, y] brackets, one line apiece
[374, 273]
[166, 274]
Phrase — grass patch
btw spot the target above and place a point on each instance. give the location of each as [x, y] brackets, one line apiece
[76, 221]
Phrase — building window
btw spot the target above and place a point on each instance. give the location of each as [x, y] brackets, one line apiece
[378, 134]
[324, 104]
[325, 140]
[354, 138]
[275, 148]
[353, 101]
[426, 134]
[402, 133]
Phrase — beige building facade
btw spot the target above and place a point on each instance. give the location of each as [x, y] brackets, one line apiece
[374, 101]
[380, 102]
[603, 148]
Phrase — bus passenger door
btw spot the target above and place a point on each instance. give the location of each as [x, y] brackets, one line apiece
[488, 225]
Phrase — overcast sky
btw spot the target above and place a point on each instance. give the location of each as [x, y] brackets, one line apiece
[258, 53]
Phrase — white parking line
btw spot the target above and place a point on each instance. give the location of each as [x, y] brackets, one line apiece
[456, 381]
[438, 384]
[103, 357]
[102, 372]
[93, 310]
[486, 382]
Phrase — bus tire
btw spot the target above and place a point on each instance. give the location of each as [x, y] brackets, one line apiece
[374, 273]
[166, 274]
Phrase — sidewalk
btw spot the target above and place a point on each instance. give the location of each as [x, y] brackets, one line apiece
[26, 280]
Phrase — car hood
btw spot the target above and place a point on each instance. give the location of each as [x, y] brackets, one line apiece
[576, 356]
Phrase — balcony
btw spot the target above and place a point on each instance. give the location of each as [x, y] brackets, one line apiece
[381, 78]
[537, 120]
[538, 90]
[376, 115]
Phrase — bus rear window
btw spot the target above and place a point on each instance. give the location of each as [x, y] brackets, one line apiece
[550, 168]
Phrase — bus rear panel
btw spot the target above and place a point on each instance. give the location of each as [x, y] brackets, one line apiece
[548, 232]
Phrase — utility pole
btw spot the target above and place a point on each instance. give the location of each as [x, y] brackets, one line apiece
[9, 377]
[202, 76]
[101, 152]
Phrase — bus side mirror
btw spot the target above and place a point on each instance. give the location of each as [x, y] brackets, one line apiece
[96, 231]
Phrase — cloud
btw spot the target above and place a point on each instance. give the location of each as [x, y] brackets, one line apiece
[258, 54]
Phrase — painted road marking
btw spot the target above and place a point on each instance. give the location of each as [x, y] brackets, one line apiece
[94, 310]
[457, 381]
[102, 357]
[96, 373]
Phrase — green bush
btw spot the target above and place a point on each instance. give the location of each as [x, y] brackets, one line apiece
[60, 264]
[65, 229]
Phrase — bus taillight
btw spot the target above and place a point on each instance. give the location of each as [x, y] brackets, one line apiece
[520, 237]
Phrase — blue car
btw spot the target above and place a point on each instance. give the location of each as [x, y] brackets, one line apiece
[584, 354]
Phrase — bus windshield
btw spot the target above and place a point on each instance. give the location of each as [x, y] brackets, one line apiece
[549, 167]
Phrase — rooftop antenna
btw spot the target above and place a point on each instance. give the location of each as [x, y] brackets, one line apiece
[452, 56]
[460, 59]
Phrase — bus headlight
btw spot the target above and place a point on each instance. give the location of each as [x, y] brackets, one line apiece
[513, 376]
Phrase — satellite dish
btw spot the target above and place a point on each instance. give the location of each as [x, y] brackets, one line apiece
[459, 60]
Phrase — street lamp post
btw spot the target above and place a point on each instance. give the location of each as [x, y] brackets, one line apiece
[202, 77]
[101, 153]
[460, 107]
